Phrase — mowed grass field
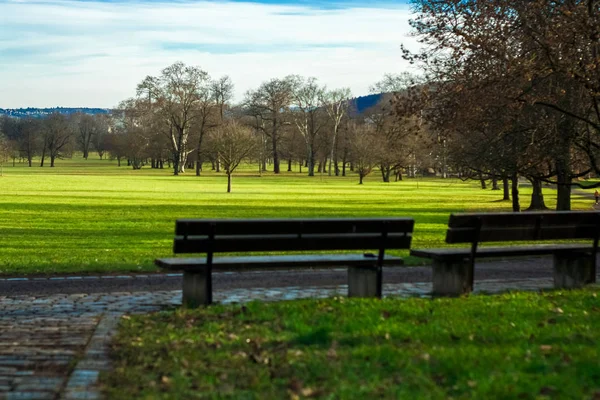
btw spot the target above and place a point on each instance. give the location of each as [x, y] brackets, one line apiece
[90, 216]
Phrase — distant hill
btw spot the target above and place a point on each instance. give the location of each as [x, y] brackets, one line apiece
[32, 112]
[359, 105]
[363, 103]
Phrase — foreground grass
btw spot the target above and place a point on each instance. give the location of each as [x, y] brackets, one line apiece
[91, 216]
[521, 345]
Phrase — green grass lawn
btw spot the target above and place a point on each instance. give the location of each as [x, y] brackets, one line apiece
[91, 216]
[511, 346]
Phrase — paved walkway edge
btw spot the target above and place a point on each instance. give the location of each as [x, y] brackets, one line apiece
[83, 382]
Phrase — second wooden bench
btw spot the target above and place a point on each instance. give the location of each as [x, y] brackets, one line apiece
[574, 264]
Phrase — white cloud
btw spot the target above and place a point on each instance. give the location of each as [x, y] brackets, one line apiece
[72, 53]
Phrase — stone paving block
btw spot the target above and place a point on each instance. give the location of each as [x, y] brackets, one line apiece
[83, 377]
[40, 383]
[30, 395]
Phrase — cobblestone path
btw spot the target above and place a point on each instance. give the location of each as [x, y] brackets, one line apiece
[55, 346]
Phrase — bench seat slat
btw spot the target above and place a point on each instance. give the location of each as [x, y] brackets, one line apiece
[315, 242]
[508, 251]
[199, 227]
[276, 262]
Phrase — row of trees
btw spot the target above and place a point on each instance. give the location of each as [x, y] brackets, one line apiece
[183, 119]
[55, 137]
[179, 112]
[512, 88]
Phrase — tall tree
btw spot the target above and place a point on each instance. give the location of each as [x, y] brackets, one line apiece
[540, 53]
[269, 104]
[57, 135]
[308, 114]
[336, 103]
[174, 96]
[222, 91]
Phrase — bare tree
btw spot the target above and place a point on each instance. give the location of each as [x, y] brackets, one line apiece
[102, 129]
[174, 96]
[307, 114]
[85, 127]
[336, 103]
[365, 149]
[222, 91]
[5, 150]
[233, 143]
[57, 133]
[268, 105]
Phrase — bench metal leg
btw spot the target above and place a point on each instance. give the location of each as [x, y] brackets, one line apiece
[364, 282]
[573, 270]
[197, 288]
[452, 278]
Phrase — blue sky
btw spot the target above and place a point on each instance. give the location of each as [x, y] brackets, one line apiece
[93, 53]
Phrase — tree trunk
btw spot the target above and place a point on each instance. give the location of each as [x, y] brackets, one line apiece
[385, 173]
[537, 197]
[563, 195]
[118, 161]
[563, 165]
[175, 163]
[506, 189]
[275, 154]
[515, 193]
[495, 184]
[198, 167]
[289, 169]
[311, 161]
[229, 182]
[360, 177]
[483, 185]
[52, 158]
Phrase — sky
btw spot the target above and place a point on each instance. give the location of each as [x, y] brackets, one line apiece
[93, 53]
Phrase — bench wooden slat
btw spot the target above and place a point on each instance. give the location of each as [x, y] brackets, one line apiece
[512, 251]
[235, 243]
[200, 227]
[499, 227]
[520, 233]
[523, 219]
[276, 262]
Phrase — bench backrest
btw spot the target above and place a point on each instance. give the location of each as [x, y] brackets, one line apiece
[249, 235]
[530, 226]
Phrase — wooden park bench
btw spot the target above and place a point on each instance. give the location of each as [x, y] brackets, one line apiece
[284, 236]
[574, 264]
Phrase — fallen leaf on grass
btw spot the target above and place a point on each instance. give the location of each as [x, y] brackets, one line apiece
[545, 347]
[547, 390]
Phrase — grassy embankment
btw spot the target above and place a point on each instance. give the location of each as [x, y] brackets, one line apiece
[512, 346]
[91, 216]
